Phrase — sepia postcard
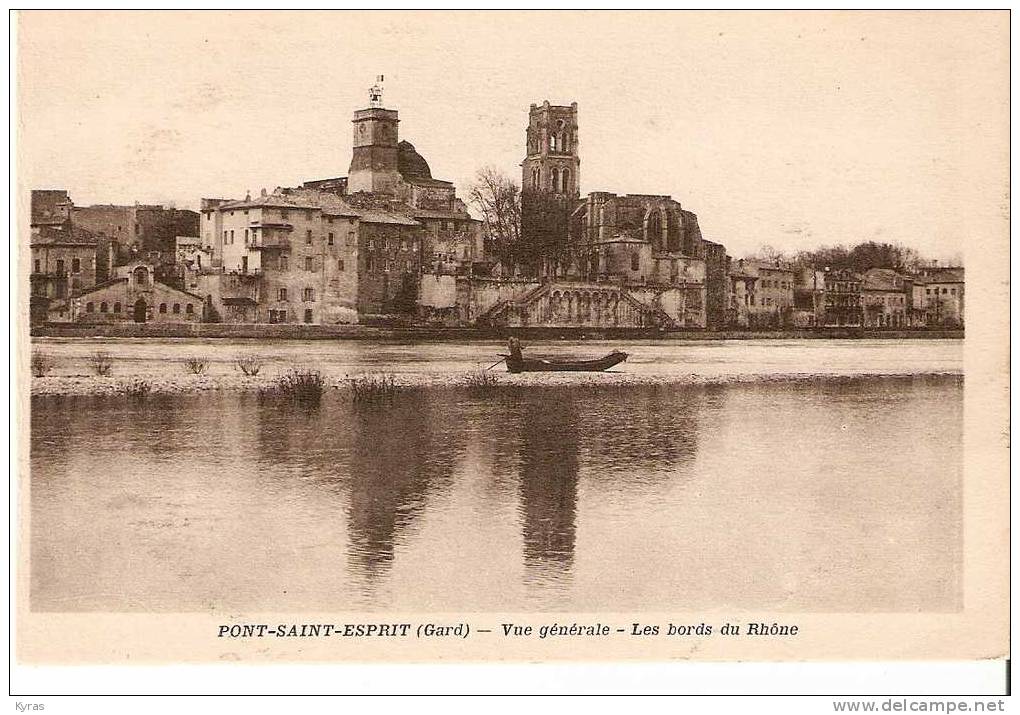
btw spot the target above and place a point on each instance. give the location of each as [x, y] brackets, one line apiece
[511, 336]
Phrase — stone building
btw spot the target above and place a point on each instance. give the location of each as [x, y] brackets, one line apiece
[939, 297]
[306, 256]
[138, 231]
[886, 297]
[339, 250]
[132, 295]
[603, 261]
[808, 297]
[64, 260]
[843, 301]
[50, 207]
[761, 295]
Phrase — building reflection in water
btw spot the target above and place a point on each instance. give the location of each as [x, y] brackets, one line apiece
[549, 461]
[380, 462]
[383, 462]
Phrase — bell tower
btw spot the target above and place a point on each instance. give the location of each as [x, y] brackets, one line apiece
[374, 161]
[550, 188]
[552, 163]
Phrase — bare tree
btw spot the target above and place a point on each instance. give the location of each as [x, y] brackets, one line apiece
[498, 198]
[770, 254]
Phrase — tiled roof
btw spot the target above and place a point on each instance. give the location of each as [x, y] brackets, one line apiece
[882, 279]
[64, 234]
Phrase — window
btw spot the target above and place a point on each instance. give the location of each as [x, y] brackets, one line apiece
[927, 291]
[116, 307]
[61, 290]
[76, 265]
[371, 244]
[309, 294]
[177, 308]
[340, 264]
[60, 266]
[90, 307]
[284, 263]
[308, 237]
[162, 308]
[634, 262]
[284, 214]
[308, 315]
[282, 295]
[189, 308]
[944, 291]
[369, 264]
[329, 238]
[246, 235]
[952, 291]
[38, 266]
[104, 308]
[350, 238]
[226, 235]
[309, 265]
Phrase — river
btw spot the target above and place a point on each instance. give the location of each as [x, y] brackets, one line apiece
[841, 493]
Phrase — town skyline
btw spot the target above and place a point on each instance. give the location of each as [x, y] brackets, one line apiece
[231, 126]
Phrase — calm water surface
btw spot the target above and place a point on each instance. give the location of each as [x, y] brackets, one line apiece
[828, 495]
[335, 357]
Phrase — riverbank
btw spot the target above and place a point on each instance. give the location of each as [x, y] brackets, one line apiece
[269, 332]
[144, 385]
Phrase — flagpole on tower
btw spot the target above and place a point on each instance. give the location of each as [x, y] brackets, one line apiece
[375, 92]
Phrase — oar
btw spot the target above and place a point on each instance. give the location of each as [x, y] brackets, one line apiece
[495, 363]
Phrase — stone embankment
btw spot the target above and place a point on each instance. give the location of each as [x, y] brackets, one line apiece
[364, 332]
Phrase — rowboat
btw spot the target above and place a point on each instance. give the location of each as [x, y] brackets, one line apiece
[516, 362]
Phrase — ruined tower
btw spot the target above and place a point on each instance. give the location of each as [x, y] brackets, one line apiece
[552, 162]
[550, 184]
[374, 161]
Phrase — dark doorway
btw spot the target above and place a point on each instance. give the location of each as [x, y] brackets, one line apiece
[140, 310]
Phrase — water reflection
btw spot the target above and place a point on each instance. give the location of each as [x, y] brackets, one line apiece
[555, 498]
[549, 447]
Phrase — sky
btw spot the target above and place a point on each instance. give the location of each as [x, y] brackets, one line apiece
[789, 129]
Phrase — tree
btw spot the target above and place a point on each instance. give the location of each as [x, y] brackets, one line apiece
[770, 254]
[497, 198]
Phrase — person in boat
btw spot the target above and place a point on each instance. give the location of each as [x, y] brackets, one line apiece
[514, 345]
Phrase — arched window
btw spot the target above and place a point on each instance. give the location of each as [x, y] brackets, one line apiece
[673, 234]
[177, 308]
[565, 179]
[103, 307]
[90, 307]
[654, 233]
[552, 142]
[555, 179]
[189, 309]
[162, 308]
[566, 142]
[141, 276]
[116, 307]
